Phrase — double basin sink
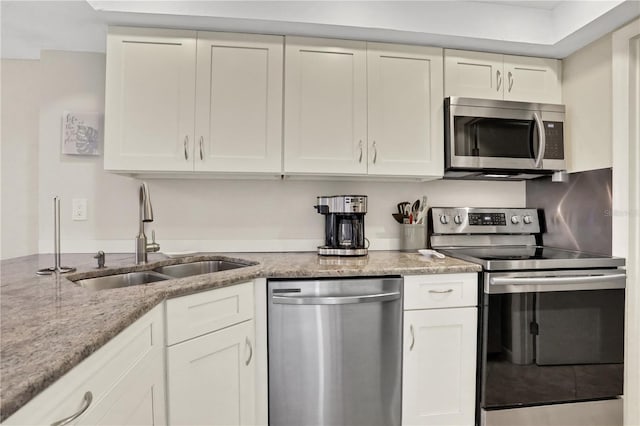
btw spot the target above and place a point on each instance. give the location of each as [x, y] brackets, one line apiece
[160, 273]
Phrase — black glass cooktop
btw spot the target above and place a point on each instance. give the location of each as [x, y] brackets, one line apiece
[532, 257]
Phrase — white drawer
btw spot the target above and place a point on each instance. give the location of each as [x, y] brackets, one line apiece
[201, 313]
[440, 291]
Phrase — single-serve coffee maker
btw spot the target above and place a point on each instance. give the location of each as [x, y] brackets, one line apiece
[344, 225]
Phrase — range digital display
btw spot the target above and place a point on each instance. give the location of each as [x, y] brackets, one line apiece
[487, 219]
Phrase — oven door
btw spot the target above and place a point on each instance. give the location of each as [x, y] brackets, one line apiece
[552, 336]
[508, 139]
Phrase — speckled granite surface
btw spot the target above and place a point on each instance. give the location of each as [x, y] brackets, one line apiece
[49, 324]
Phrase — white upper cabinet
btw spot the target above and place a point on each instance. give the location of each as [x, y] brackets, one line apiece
[404, 110]
[473, 74]
[183, 101]
[495, 76]
[357, 108]
[239, 103]
[532, 79]
[325, 125]
[149, 106]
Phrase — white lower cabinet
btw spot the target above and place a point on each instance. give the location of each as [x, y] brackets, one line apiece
[211, 372]
[211, 379]
[439, 358]
[125, 379]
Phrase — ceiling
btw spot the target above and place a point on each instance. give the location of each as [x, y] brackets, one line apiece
[535, 28]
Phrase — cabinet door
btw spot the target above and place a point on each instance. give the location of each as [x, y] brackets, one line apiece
[473, 74]
[211, 379]
[138, 399]
[532, 79]
[325, 116]
[239, 103]
[150, 95]
[405, 110]
[439, 367]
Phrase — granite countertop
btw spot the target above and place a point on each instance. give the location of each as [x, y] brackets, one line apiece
[48, 324]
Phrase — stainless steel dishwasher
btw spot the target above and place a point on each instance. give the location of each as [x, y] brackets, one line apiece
[335, 352]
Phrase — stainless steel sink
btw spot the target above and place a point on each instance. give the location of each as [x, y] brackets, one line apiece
[121, 280]
[198, 268]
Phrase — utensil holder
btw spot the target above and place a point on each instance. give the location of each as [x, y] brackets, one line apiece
[413, 237]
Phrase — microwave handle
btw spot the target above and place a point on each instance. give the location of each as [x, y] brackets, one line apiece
[542, 140]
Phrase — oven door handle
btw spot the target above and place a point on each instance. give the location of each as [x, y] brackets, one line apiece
[559, 283]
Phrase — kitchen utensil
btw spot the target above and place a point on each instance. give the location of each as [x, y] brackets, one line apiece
[415, 208]
[398, 217]
[403, 208]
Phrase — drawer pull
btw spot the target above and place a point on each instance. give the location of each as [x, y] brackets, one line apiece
[441, 291]
[88, 397]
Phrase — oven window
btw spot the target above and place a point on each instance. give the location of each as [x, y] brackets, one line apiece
[550, 347]
[494, 137]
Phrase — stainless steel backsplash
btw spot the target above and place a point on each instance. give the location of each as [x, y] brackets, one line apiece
[577, 213]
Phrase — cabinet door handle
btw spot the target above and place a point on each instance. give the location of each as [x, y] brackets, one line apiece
[498, 80]
[186, 145]
[510, 77]
[360, 158]
[86, 402]
[248, 343]
[413, 337]
[441, 291]
[375, 152]
[201, 150]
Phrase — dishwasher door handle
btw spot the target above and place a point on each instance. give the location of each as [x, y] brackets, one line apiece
[335, 300]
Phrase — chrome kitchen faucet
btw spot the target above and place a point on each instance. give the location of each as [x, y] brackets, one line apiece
[146, 215]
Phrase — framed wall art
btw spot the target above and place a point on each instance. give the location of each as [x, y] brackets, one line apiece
[81, 133]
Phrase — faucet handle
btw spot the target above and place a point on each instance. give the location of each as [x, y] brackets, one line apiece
[101, 257]
[153, 247]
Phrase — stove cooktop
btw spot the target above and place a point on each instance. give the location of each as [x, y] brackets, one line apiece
[507, 258]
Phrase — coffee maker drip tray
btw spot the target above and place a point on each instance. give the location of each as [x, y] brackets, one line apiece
[333, 251]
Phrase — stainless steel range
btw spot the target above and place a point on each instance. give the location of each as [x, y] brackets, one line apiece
[551, 337]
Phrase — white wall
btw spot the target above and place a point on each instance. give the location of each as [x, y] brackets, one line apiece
[586, 92]
[20, 109]
[626, 197]
[197, 214]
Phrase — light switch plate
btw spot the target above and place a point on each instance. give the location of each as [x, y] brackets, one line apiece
[79, 209]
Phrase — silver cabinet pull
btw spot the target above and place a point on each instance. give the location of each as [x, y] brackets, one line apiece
[413, 337]
[510, 77]
[186, 145]
[441, 291]
[375, 152]
[360, 158]
[201, 151]
[498, 80]
[248, 343]
[88, 397]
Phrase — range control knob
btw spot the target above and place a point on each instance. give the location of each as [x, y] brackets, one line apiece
[527, 219]
[444, 219]
[457, 219]
[515, 220]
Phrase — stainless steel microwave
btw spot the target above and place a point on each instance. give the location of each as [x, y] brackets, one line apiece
[489, 139]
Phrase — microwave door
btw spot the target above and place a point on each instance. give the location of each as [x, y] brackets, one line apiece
[490, 139]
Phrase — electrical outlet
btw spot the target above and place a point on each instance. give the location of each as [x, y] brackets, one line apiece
[79, 209]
